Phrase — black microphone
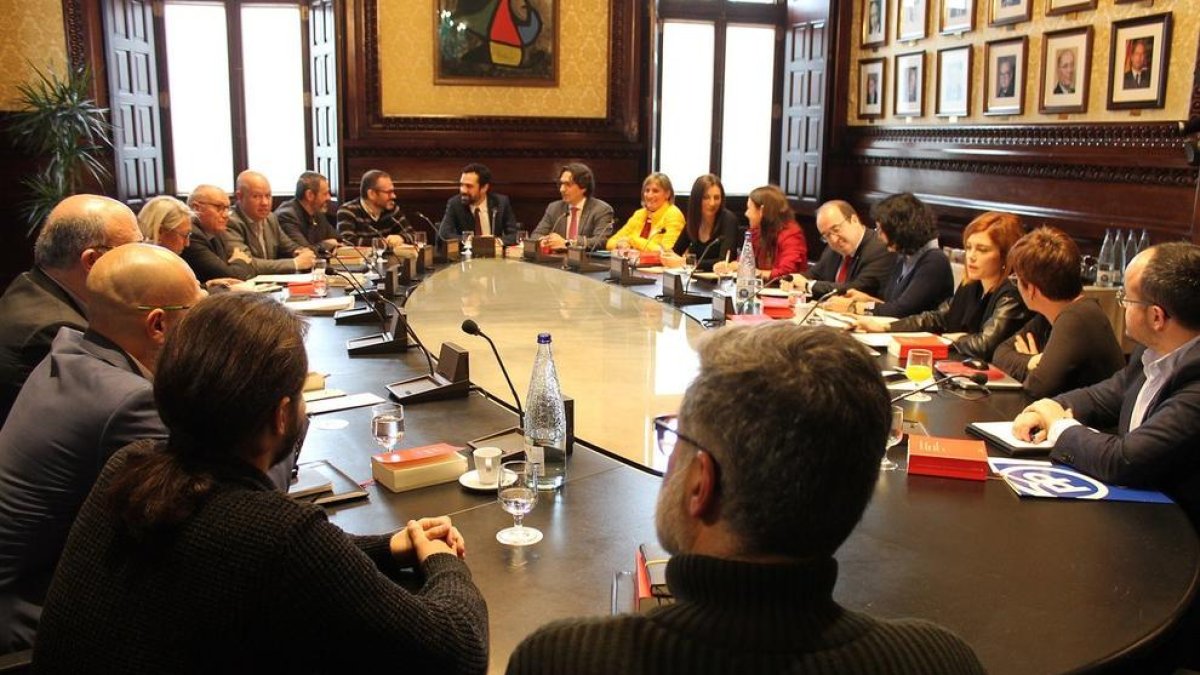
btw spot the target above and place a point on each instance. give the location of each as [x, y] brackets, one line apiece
[471, 328]
[975, 378]
[605, 233]
[816, 303]
[373, 298]
[436, 231]
[699, 261]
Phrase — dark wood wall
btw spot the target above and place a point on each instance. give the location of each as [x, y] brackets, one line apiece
[425, 155]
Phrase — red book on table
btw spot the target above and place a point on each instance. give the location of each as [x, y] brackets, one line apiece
[947, 457]
[901, 344]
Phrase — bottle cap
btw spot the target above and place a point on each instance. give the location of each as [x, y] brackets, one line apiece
[543, 338]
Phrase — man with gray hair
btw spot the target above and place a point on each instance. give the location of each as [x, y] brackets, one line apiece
[79, 230]
[761, 489]
[854, 256]
[90, 397]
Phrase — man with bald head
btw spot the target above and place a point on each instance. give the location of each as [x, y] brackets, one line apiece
[854, 256]
[207, 252]
[88, 398]
[78, 231]
[254, 228]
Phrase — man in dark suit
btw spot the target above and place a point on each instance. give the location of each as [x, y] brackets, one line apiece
[854, 257]
[303, 218]
[577, 214]
[255, 229]
[477, 209]
[87, 399]
[1004, 77]
[207, 252]
[1138, 75]
[78, 231]
[1153, 402]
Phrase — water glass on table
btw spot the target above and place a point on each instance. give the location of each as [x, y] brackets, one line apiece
[319, 282]
[895, 435]
[387, 425]
[517, 493]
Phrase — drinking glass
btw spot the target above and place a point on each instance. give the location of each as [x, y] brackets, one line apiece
[689, 263]
[517, 492]
[319, 283]
[623, 248]
[919, 368]
[420, 239]
[379, 247]
[466, 241]
[895, 435]
[520, 237]
[387, 425]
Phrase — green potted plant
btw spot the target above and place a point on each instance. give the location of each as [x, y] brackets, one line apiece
[66, 132]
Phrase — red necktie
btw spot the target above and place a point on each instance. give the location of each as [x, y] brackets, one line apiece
[573, 228]
[478, 224]
[646, 227]
[844, 271]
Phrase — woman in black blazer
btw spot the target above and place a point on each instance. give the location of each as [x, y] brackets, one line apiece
[709, 221]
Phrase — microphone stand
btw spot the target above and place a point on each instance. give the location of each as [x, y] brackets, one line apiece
[533, 247]
[816, 303]
[386, 342]
[978, 379]
[511, 440]
[447, 249]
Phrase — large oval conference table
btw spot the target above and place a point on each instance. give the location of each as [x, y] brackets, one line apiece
[1035, 586]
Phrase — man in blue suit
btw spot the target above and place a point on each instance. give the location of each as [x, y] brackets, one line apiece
[476, 209]
[88, 398]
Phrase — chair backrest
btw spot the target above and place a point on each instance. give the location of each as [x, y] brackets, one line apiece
[16, 662]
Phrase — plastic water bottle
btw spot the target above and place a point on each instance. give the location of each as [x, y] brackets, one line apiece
[546, 420]
[1106, 263]
[746, 274]
[1144, 242]
[1131, 250]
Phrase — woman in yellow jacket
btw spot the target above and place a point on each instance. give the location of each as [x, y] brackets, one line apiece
[656, 225]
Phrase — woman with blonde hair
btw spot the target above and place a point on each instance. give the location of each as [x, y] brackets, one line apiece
[656, 225]
[166, 221]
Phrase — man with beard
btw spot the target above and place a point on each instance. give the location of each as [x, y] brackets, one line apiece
[773, 459]
[477, 209]
[186, 559]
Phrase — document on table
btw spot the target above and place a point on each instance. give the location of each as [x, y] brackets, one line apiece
[300, 277]
[885, 339]
[1001, 434]
[321, 305]
[342, 403]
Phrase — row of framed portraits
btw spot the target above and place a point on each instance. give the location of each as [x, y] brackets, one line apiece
[954, 16]
[1137, 73]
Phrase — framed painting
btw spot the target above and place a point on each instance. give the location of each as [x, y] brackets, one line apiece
[1137, 68]
[874, 22]
[493, 42]
[1004, 76]
[909, 85]
[1067, 6]
[912, 17]
[954, 82]
[1006, 12]
[1066, 68]
[956, 16]
[871, 78]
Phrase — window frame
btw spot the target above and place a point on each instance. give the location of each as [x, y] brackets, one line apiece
[721, 14]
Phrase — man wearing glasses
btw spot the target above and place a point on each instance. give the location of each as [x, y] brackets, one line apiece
[854, 258]
[374, 213]
[78, 231]
[577, 214]
[760, 490]
[1154, 402]
[91, 396]
[208, 253]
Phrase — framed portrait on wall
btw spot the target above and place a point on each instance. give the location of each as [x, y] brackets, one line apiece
[1066, 6]
[871, 79]
[874, 22]
[1004, 76]
[1140, 52]
[1005, 12]
[1066, 69]
[909, 85]
[956, 16]
[912, 16]
[498, 46]
[954, 82]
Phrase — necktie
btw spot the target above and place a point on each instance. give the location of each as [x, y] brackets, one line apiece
[478, 224]
[843, 272]
[573, 229]
[262, 240]
[646, 227]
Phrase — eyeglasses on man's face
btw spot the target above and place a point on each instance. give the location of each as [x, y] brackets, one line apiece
[1126, 301]
[834, 231]
[225, 209]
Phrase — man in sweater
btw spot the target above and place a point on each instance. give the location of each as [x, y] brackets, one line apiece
[760, 490]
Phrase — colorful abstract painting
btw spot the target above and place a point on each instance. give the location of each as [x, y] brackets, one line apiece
[496, 42]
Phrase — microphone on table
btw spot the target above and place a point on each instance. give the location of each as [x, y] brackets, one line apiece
[975, 379]
[688, 282]
[605, 232]
[436, 231]
[471, 328]
[385, 342]
[817, 303]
